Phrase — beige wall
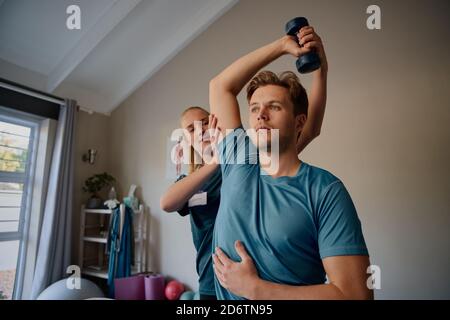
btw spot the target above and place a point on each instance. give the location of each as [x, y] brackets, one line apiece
[92, 133]
[385, 133]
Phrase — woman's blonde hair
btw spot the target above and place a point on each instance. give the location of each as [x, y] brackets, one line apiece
[192, 165]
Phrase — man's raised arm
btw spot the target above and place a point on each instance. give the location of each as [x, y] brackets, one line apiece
[224, 88]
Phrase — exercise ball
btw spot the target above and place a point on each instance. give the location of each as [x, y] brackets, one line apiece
[187, 295]
[197, 296]
[60, 291]
[173, 290]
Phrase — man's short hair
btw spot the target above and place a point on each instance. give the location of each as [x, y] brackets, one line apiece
[288, 80]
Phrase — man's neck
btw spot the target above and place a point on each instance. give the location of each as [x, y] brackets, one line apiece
[288, 163]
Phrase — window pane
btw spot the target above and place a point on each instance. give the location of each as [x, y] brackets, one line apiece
[9, 213]
[9, 251]
[9, 226]
[16, 134]
[10, 202]
[14, 141]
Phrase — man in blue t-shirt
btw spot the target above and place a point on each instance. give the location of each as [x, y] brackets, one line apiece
[280, 229]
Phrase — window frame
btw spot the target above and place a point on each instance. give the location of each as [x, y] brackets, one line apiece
[27, 179]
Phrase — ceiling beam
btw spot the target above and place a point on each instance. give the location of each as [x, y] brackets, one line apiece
[91, 38]
[164, 52]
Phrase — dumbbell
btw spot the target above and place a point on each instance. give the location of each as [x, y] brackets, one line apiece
[307, 62]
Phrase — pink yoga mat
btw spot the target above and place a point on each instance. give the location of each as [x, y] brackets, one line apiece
[154, 287]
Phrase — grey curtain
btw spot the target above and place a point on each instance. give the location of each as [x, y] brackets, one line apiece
[54, 248]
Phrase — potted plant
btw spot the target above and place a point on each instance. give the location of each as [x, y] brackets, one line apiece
[94, 185]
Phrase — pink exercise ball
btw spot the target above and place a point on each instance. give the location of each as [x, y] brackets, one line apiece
[173, 290]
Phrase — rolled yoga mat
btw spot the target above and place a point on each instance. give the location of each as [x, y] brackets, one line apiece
[154, 287]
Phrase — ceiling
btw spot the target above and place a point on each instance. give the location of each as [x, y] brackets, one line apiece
[120, 45]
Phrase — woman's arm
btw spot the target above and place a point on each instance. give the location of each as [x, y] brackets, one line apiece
[180, 192]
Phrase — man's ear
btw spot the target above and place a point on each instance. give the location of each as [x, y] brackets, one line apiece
[300, 121]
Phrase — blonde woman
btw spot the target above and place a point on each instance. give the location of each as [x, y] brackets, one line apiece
[202, 184]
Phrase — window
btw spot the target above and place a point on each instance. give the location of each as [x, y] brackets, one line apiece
[18, 141]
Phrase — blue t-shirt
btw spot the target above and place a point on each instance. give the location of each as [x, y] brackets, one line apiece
[203, 218]
[287, 224]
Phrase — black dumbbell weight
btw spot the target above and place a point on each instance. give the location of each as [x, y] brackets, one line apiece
[310, 61]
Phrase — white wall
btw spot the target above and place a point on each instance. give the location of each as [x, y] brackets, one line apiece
[385, 133]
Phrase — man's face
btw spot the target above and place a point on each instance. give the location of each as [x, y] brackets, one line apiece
[270, 107]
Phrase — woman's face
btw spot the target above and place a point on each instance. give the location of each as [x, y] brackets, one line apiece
[192, 120]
